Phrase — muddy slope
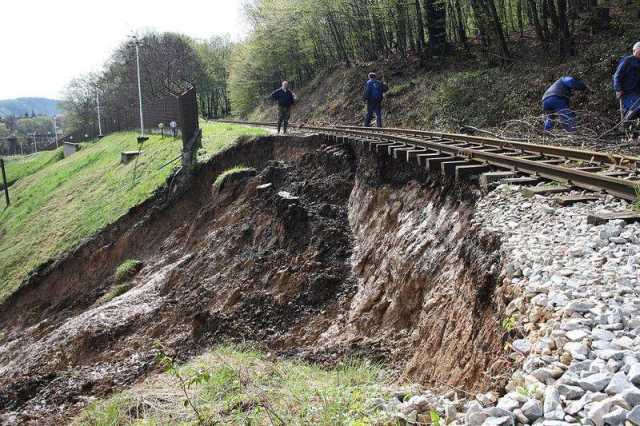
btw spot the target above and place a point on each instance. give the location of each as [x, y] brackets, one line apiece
[323, 251]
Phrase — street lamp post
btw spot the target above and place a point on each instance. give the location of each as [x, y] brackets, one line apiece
[55, 130]
[136, 43]
[98, 104]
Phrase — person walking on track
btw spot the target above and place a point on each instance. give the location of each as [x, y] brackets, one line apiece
[373, 93]
[285, 99]
[555, 102]
[626, 83]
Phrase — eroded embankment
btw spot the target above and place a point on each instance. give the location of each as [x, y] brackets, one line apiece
[323, 252]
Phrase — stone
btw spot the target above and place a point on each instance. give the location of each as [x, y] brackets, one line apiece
[532, 410]
[522, 346]
[578, 350]
[595, 382]
[552, 406]
[634, 374]
[486, 399]
[579, 306]
[615, 417]
[418, 403]
[570, 392]
[498, 421]
[633, 416]
[631, 397]
[618, 384]
[575, 335]
[597, 411]
[508, 404]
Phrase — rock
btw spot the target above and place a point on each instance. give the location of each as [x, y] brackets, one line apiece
[552, 405]
[597, 411]
[618, 384]
[475, 415]
[570, 392]
[601, 334]
[634, 374]
[615, 417]
[608, 354]
[532, 410]
[575, 335]
[508, 404]
[418, 403]
[595, 382]
[578, 350]
[631, 397]
[579, 306]
[633, 416]
[486, 399]
[499, 421]
[522, 346]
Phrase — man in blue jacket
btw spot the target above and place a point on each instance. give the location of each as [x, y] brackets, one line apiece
[626, 83]
[285, 99]
[373, 94]
[555, 101]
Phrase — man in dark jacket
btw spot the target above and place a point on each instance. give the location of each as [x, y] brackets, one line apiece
[626, 83]
[373, 93]
[555, 101]
[285, 99]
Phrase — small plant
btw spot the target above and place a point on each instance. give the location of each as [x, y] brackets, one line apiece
[435, 418]
[509, 323]
[200, 376]
[636, 203]
[127, 269]
[117, 290]
[236, 169]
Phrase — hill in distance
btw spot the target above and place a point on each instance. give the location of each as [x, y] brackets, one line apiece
[21, 106]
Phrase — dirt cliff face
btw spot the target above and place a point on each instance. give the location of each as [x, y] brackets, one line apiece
[323, 251]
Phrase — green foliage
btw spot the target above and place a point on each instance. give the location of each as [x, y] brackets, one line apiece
[509, 323]
[435, 418]
[240, 385]
[127, 269]
[113, 411]
[54, 208]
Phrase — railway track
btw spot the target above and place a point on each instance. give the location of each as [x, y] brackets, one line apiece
[468, 156]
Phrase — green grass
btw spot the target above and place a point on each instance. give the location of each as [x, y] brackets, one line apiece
[243, 386]
[127, 269]
[55, 207]
[21, 166]
[222, 176]
[116, 290]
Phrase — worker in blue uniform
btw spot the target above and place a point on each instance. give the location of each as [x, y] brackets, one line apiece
[555, 102]
[626, 83]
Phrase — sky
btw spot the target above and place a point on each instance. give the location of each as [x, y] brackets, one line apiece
[45, 43]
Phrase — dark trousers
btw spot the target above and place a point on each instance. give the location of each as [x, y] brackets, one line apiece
[283, 117]
[371, 108]
[556, 106]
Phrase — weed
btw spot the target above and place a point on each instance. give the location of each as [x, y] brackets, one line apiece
[636, 203]
[127, 269]
[116, 291]
[222, 176]
[509, 323]
[435, 418]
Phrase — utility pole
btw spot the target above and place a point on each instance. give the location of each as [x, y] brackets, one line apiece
[35, 142]
[98, 104]
[55, 130]
[136, 43]
[4, 182]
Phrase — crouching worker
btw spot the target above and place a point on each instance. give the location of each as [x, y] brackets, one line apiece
[626, 83]
[555, 102]
[373, 93]
[285, 99]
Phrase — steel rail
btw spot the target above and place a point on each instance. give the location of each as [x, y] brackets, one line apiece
[617, 187]
[552, 150]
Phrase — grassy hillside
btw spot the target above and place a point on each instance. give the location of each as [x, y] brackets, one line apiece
[243, 386]
[56, 204]
[19, 167]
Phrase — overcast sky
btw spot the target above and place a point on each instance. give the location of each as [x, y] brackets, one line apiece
[45, 43]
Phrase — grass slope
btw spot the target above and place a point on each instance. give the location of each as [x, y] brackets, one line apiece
[55, 205]
[232, 385]
[21, 166]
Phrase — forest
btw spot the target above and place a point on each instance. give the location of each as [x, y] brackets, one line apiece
[298, 39]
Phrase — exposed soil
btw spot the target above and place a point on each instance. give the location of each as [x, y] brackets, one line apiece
[323, 251]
